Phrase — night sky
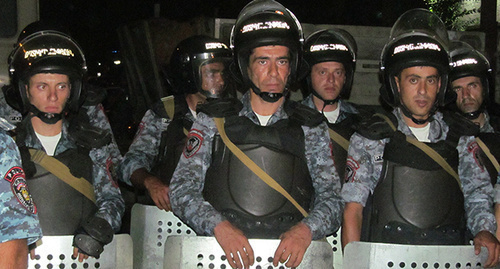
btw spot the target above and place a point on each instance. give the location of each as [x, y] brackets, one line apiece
[93, 23]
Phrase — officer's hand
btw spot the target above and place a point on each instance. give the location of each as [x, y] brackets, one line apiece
[293, 245]
[488, 240]
[79, 255]
[238, 251]
[158, 191]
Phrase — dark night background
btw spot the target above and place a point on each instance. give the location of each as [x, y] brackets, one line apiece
[93, 23]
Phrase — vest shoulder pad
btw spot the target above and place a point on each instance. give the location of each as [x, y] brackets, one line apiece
[459, 125]
[88, 136]
[378, 126]
[170, 107]
[303, 114]
[221, 107]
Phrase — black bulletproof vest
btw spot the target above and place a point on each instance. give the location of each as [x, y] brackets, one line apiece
[492, 142]
[241, 196]
[62, 209]
[416, 201]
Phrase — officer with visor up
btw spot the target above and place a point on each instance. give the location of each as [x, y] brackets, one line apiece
[64, 158]
[470, 78]
[413, 172]
[217, 194]
[331, 56]
[197, 74]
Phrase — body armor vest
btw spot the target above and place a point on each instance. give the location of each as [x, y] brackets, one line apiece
[173, 139]
[491, 140]
[416, 201]
[62, 209]
[241, 196]
[345, 129]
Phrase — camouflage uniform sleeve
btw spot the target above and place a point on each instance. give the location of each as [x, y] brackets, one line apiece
[145, 146]
[476, 184]
[18, 218]
[189, 178]
[497, 190]
[363, 170]
[98, 118]
[325, 216]
[110, 203]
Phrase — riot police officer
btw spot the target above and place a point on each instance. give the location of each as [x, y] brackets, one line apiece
[216, 194]
[196, 73]
[417, 163]
[331, 57]
[19, 225]
[470, 77]
[64, 157]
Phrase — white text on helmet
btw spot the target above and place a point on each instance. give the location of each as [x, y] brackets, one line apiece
[324, 47]
[417, 46]
[264, 26]
[466, 61]
[215, 45]
[50, 51]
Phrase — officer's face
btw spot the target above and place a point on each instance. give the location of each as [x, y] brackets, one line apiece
[269, 68]
[327, 79]
[212, 79]
[469, 92]
[49, 92]
[418, 87]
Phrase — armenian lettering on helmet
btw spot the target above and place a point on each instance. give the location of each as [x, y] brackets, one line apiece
[466, 61]
[50, 51]
[323, 47]
[417, 46]
[265, 26]
[215, 45]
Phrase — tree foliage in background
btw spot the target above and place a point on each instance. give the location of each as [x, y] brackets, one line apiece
[452, 13]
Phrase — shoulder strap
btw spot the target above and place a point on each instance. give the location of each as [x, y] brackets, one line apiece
[169, 105]
[62, 172]
[344, 143]
[219, 122]
[487, 151]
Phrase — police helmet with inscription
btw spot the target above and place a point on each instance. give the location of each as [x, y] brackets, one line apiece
[48, 52]
[265, 23]
[192, 69]
[467, 61]
[332, 45]
[418, 38]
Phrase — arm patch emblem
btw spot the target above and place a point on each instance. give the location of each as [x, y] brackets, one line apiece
[19, 188]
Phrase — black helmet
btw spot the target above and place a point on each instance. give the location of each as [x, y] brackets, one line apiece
[47, 52]
[265, 23]
[332, 45]
[418, 38]
[187, 60]
[466, 61]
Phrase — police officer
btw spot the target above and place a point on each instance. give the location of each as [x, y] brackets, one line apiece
[64, 157]
[197, 73]
[216, 194]
[331, 56]
[409, 159]
[19, 225]
[91, 109]
[470, 77]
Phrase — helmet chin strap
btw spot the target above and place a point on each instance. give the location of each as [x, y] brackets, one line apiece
[472, 115]
[408, 114]
[270, 97]
[48, 118]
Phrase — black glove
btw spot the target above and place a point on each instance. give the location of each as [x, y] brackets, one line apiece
[92, 236]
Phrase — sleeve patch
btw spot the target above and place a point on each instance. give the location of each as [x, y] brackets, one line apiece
[350, 170]
[193, 144]
[19, 188]
[475, 150]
